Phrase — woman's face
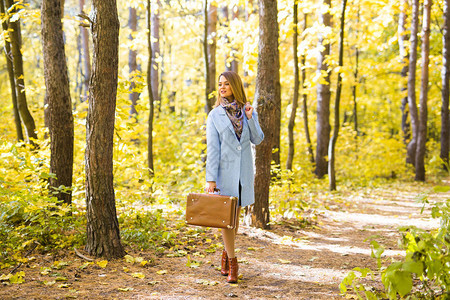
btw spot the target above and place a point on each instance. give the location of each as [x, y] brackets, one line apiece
[225, 87]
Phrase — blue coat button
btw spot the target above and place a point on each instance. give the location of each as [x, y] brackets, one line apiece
[238, 148]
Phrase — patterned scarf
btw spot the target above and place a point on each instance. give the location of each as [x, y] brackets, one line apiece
[234, 113]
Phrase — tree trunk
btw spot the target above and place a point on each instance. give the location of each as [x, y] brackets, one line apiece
[132, 62]
[103, 237]
[402, 38]
[14, 37]
[267, 99]
[332, 146]
[86, 55]
[151, 98]
[156, 51]
[291, 123]
[422, 133]
[445, 122]
[58, 99]
[354, 87]
[209, 47]
[12, 82]
[323, 96]
[305, 98]
[411, 149]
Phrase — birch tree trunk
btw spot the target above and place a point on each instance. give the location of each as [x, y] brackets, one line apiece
[151, 99]
[156, 51]
[402, 38]
[86, 54]
[132, 61]
[291, 123]
[103, 237]
[445, 122]
[422, 133]
[209, 48]
[411, 149]
[305, 100]
[58, 99]
[332, 146]
[323, 96]
[267, 100]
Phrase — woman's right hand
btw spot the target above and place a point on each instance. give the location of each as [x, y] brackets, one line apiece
[210, 186]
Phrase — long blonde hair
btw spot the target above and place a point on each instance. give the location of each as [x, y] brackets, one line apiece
[237, 88]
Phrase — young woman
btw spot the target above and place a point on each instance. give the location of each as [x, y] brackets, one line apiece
[231, 128]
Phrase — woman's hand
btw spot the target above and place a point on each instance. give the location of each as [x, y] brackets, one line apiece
[210, 186]
[248, 110]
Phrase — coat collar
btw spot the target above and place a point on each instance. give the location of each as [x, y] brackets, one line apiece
[225, 122]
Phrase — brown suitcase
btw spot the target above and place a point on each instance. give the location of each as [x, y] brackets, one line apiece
[211, 210]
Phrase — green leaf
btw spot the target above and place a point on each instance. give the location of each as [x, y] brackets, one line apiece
[402, 282]
[441, 189]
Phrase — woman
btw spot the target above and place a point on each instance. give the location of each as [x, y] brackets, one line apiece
[231, 126]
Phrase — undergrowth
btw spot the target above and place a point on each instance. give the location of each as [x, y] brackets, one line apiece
[423, 273]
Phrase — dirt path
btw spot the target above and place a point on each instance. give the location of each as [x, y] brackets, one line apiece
[287, 262]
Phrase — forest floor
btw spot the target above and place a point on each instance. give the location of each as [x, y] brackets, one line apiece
[288, 261]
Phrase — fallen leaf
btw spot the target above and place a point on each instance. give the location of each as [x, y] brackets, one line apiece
[138, 275]
[63, 286]
[283, 261]
[60, 278]
[102, 263]
[129, 259]
[152, 282]
[143, 263]
[161, 272]
[124, 289]
[49, 283]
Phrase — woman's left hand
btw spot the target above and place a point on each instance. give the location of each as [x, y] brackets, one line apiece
[248, 110]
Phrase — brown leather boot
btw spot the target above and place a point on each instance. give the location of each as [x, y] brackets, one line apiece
[225, 266]
[234, 270]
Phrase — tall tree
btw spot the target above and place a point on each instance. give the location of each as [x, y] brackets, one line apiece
[151, 98]
[86, 53]
[16, 45]
[402, 39]
[445, 121]
[332, 146]
[291, 123]
[267, 99]
[103, 237]
[422, 132]
[209, 48]
[132, 60]
[12, 82]
[305, 98]
[411, 149]
[58, 99]
[323, 94]
[156, 51]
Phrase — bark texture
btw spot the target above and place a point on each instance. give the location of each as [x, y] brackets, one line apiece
[209, 48]
[445, 122]
[291, 123]
[402, 39]
[156, 51]
[411, 149]
[103, 237]
[150, 93]
[86, 54]
[14, 37]
[332, 146]
[132, 61]
[60, 119]
[323, 97]
[422, 131]
[12, 82]
[267, 99]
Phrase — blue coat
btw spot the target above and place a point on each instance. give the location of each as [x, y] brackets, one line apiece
[228, 159]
